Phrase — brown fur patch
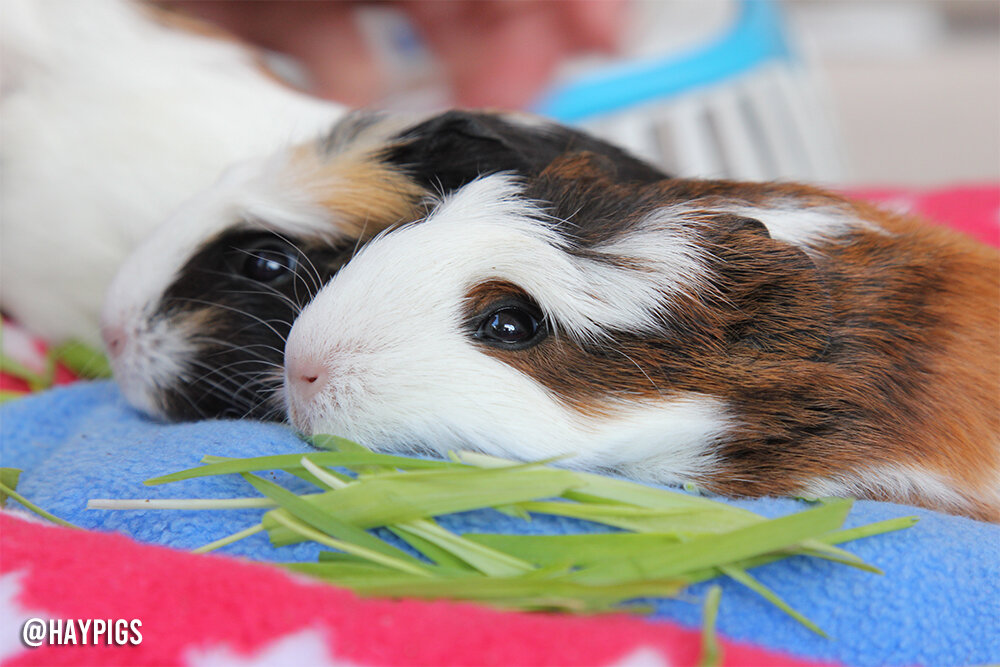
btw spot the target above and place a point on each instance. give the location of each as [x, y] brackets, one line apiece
[365, 195]
[882, 349]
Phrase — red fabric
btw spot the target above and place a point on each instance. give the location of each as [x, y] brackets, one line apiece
[186, 602]
[971, 209]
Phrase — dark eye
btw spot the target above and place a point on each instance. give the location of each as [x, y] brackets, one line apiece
[268, 263]
[512, 327]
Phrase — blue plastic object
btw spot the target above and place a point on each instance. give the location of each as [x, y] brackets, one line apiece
[756, 36]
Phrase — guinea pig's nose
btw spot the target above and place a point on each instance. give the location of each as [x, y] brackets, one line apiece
[306, 376]
[114, 339]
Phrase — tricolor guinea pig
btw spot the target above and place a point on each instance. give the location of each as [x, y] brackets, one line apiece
[754, 339]
[196, 319]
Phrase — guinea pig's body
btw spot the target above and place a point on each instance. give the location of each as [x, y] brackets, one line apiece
[755, 339]
[112, 113]
[196, 319]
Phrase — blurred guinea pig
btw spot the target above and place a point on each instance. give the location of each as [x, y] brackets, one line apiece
[196, 319]
[755, 339]
[113, 113]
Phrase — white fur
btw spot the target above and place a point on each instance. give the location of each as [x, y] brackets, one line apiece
[404, 372]
[790, 221]
[152, 359]
[110, 121]
[904, 483]
[487, 231]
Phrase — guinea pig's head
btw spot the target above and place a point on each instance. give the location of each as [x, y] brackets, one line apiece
[570, 316]
[196, 319]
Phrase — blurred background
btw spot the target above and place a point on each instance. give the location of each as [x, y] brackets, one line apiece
[873, 92]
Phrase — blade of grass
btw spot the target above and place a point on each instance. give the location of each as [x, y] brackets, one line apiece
[323, 476]
[488, 561]
[7, 491]
[179, 503]
[375, 556]
[688, 521]
[6, 395]
[744, 577]
[36, 381]
[394, 500]
[291, 461]
[83, 360]
[717, 549]
[711, 649]
[229, 539]
[442, 547]
[593, 487]
[432, 552]
[9, 478]
[328, 523]
[835, 537]
[576, 550]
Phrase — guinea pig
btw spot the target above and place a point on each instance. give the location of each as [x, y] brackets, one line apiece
[196, 319]
[114, 112]
[751, 338]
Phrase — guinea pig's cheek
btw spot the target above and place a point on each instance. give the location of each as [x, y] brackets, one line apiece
[146, 358]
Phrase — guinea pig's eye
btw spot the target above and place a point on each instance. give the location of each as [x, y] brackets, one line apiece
[512, 326]
[267, 263]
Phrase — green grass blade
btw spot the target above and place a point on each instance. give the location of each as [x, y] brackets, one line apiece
[574, 550]
[680, 521]
[336, 443]
[541, 592]
[8, 478]
[292, 462]
[229, 539]
[598, 487]
[441, 557]
[835, 537]
[742, 576]
[325, 478]
[410, 566]
[711, 649]
[328, 523]
[381, 501]
[869, 530]
[717, 549]
[6, 395]
[7, 491]
[83, 360]
[484, 559]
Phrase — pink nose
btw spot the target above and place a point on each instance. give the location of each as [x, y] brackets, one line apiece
[306, 377]
[114, 340]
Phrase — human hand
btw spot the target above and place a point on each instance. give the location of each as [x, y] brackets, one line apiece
[495, 53]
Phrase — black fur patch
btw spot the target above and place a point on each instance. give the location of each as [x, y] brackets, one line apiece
[240, 324]
[452, 149]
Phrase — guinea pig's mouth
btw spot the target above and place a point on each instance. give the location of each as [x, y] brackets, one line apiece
[143, 363]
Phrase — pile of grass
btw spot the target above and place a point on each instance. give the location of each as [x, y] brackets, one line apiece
[665, 541]
[79, 358]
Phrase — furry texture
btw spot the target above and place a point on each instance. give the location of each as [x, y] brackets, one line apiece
[112, 116]
[192, 287]
[683, 341]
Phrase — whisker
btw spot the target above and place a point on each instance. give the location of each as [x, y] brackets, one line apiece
[317, 277]
[240, 312]
[658, 390]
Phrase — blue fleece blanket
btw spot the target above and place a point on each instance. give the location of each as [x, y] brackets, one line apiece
[937, 604]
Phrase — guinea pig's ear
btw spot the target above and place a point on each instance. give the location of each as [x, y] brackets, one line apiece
[776, 299]
[453, 148]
